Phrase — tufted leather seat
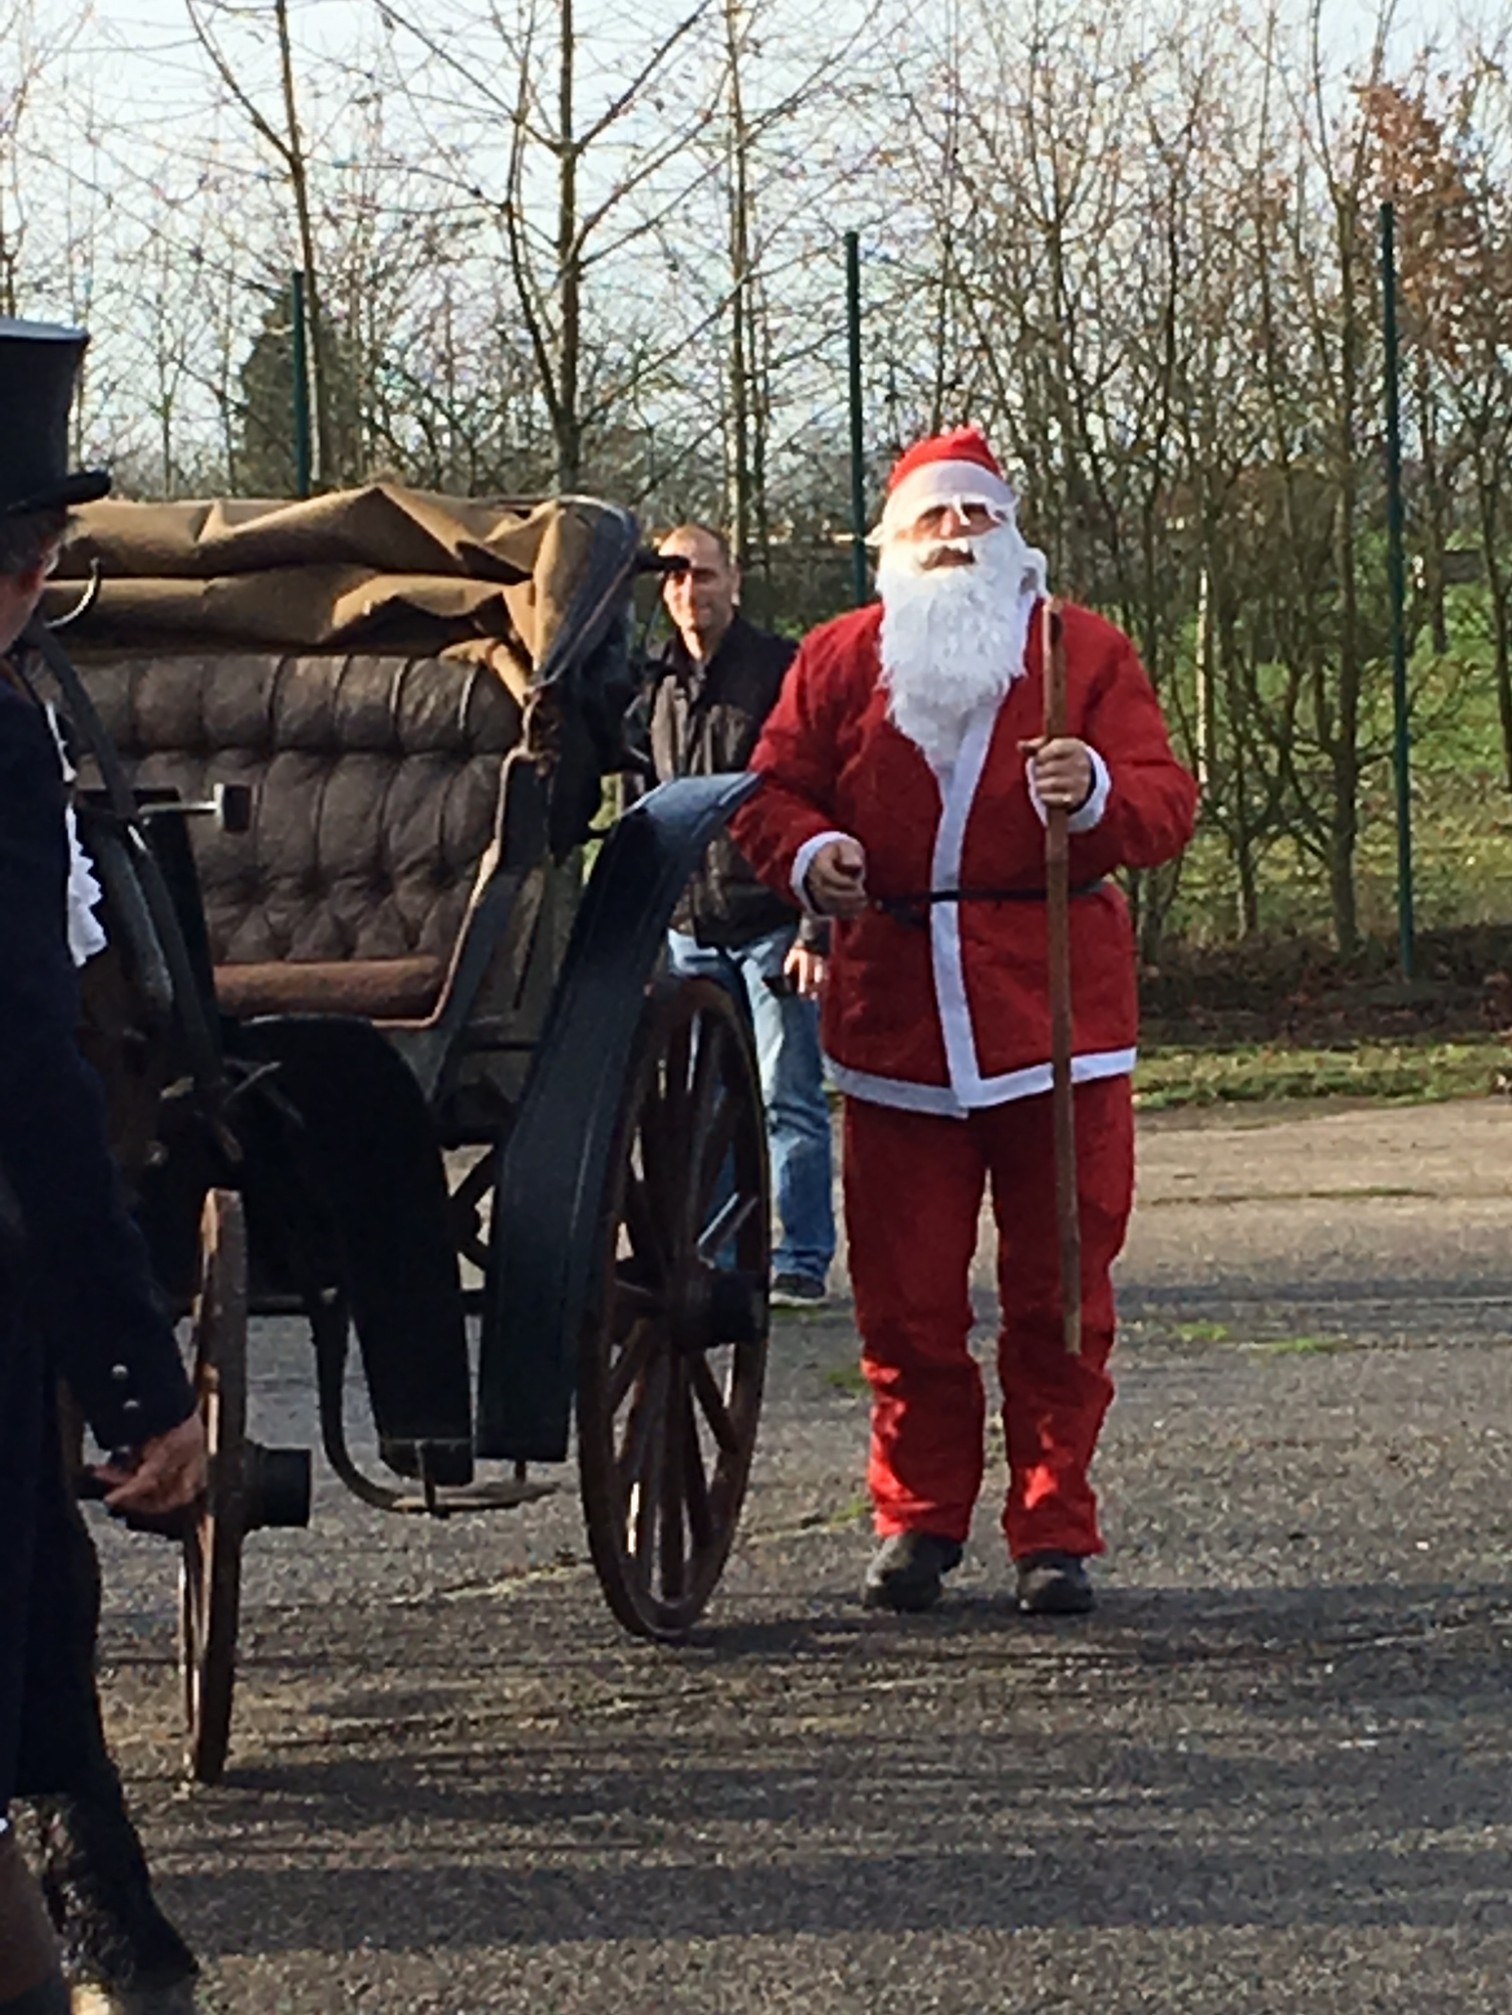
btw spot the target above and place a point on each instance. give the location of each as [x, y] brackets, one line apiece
[375, 787]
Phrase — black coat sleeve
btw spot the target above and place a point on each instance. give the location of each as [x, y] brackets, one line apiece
[85, 1261]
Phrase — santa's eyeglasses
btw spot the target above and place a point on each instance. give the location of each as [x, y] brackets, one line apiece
[972, 514]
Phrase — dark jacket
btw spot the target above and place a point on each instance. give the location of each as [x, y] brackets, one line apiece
[705, 720]
[76, 1295]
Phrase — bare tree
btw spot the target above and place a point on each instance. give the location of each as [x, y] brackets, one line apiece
[577, 188]
[281, 131]
[1454, 228]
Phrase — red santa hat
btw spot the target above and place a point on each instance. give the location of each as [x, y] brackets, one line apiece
[955, 468]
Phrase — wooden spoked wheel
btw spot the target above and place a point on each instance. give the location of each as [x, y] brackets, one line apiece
[210, 1578]
[672, 1363]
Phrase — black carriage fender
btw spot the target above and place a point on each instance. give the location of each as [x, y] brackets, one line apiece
[554, 1167]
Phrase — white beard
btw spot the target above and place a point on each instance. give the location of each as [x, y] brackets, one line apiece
[953, 637]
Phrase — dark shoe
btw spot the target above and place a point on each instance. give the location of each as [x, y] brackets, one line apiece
[1053, 1584]
[905, 1572]
[797, 1290]
[99, 1895]
[30, 1982]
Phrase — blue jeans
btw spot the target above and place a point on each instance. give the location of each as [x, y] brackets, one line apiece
[792, 1084]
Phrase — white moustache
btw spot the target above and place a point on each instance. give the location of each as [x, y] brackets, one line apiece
[921, 556]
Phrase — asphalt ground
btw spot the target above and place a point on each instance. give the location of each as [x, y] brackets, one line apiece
[1272, 1772]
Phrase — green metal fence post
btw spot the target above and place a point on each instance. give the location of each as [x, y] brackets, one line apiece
[1397, 586]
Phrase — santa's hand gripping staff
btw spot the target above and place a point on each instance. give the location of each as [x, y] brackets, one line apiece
[906, 787]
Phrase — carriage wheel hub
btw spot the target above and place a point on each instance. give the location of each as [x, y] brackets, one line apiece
[709, 1306]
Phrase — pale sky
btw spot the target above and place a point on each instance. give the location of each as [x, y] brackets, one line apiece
[146, 155]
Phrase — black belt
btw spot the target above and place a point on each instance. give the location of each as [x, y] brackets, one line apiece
[915, 909]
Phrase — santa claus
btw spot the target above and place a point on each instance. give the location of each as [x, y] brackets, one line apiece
[905, 792]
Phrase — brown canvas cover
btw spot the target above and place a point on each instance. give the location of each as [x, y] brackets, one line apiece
[378, 569]
[310, 650]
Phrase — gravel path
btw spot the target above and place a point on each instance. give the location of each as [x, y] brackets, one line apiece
[1272, 1772]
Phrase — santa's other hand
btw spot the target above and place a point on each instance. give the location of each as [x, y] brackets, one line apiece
[1062, 771]
[836, 880]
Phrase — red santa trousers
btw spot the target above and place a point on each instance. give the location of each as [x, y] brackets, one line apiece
[913, 1195]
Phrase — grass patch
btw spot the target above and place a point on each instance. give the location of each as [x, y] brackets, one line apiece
[846, 1378]
[1462, 832]
[1406, 1072]
[826, 1314]
[841, 1519]
[1303, 1346]
[1202, 1332]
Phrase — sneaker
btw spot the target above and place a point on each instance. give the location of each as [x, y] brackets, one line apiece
[1054, 1584]
[906, 1570]
[797, 1290]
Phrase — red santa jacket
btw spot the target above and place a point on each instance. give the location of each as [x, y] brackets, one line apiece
[946, 1008]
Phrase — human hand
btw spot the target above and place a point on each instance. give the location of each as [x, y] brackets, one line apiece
[836, 881]
[805, 968]
[169, 1472]
[1062, 771]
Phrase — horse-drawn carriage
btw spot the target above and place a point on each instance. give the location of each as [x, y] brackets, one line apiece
[376, 1047]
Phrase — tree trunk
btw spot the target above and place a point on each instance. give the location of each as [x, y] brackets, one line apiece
[299, 183]
[1239, 824]
[568, 419]
[1207, 725]
[7, 264]
[740, 298]
[1499, 588]
[1249, 887]
[165, 442]
[1437, 509]
[761, 432]
[1343, 743]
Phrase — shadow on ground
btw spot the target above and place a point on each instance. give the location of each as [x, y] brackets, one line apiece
[1191, 1758]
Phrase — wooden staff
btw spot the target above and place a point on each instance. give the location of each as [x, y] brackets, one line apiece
[1058, 935]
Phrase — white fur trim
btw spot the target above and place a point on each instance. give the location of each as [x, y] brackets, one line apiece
[1086, 815]
[1031, 1082]
[899, 1092]
[958, 787]
[803, 860]
[943, 483]
[968, 1088]
[1040, 1077]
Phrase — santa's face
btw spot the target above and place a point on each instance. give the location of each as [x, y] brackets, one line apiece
[957, 585]
[942, 534]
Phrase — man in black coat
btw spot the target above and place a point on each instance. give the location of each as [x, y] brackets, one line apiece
[719, 680]
[76, 1297]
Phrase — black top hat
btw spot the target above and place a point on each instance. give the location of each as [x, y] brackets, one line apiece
[38, 365]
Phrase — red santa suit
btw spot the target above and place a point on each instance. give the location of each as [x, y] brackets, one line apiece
[937, 1029]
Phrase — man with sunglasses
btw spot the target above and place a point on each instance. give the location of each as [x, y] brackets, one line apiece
[719, 679]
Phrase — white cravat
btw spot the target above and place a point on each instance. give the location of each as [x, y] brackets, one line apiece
[86, 935]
